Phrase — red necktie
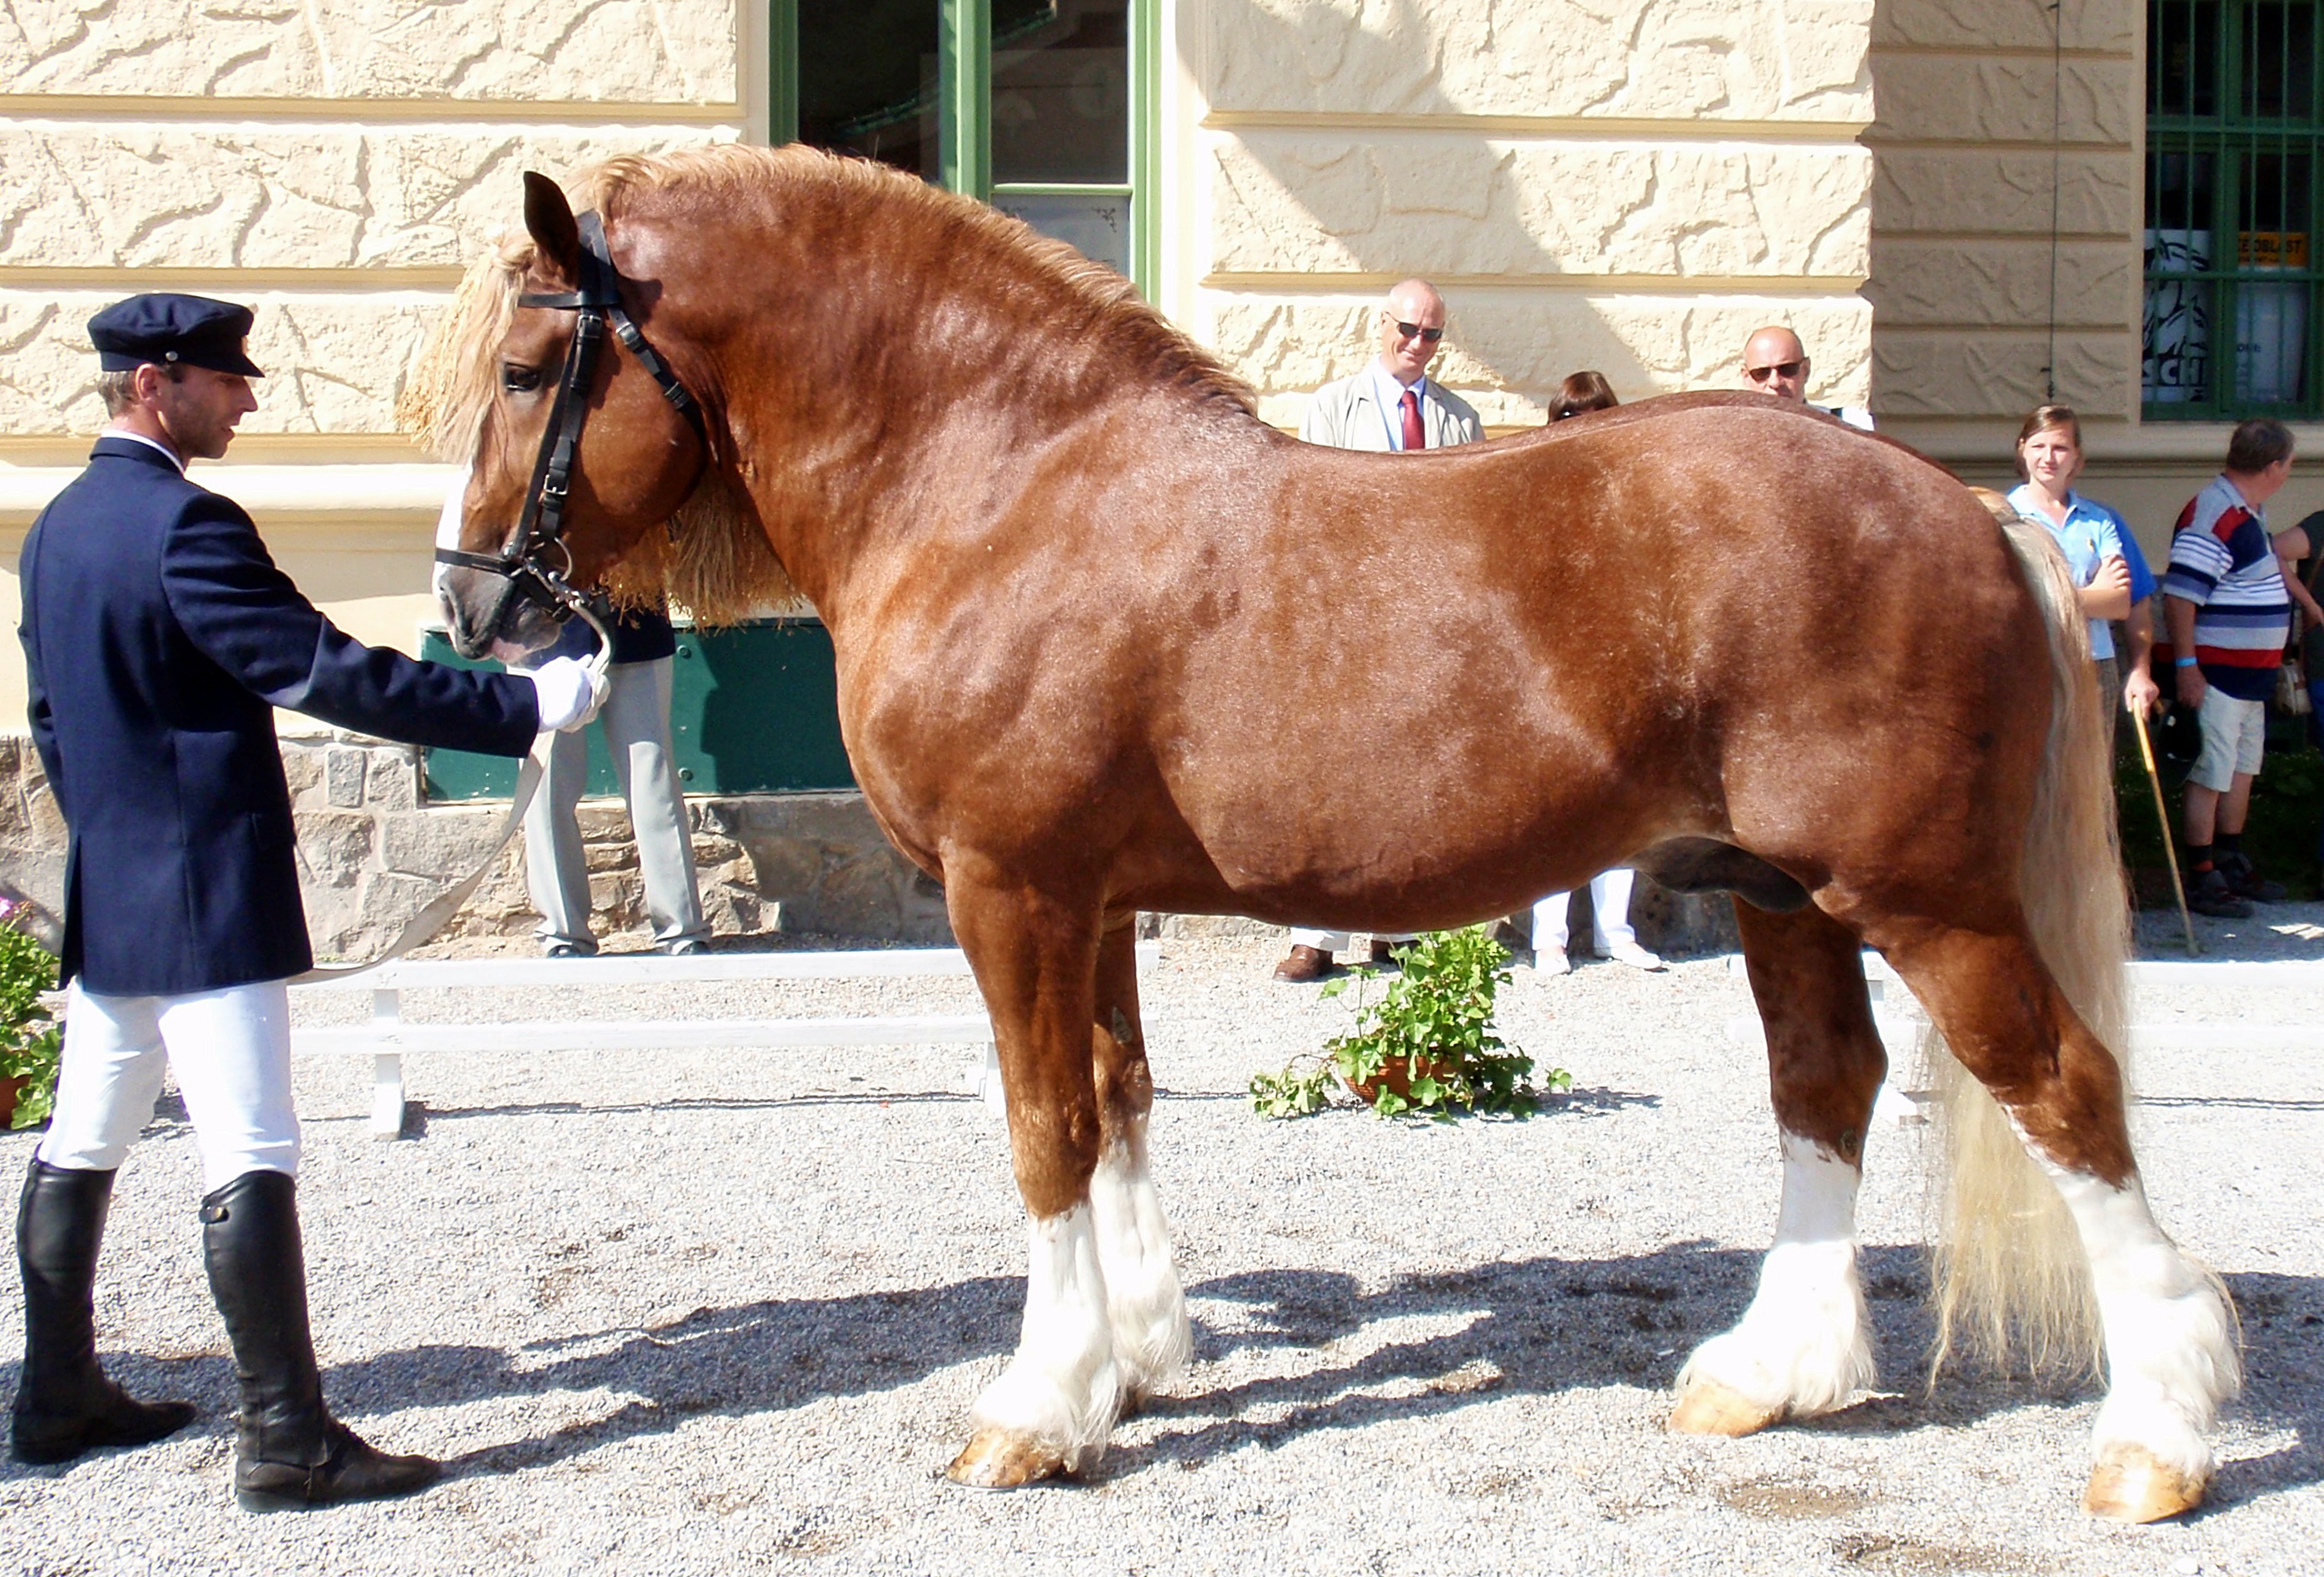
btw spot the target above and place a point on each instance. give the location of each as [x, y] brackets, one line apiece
[1414, 439]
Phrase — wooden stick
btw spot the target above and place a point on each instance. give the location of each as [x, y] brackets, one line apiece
[2162, 816]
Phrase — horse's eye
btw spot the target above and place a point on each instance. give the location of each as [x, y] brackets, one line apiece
[519, 380]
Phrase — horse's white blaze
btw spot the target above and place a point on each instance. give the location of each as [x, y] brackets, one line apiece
[1151, 1339]
[1061, 1390]
[1802, 1346]
[2170, 1341]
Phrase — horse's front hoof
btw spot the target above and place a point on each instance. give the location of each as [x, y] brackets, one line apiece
[1707, 1408]
[994, 1458]
[2131, 1485]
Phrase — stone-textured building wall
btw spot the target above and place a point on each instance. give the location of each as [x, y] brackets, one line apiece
[1631, 186]
[1996, 117]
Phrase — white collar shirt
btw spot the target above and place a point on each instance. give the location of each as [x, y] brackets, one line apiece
[1388, 395]
[139, 438]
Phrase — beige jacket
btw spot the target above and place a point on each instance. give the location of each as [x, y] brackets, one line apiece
[1346, 415]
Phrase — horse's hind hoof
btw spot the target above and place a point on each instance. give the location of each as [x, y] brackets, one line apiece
[2131, 1485]
[1707, 1408]
[994, 1458]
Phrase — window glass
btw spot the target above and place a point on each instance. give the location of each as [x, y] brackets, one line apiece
[1061, 91]
[867, 80]
[2279, 62]
[2183, 57]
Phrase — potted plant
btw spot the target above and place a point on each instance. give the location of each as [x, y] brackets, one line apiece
[29, 1040]
[1426, 1046]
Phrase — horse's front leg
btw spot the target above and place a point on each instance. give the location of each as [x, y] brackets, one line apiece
[1147, 1310]
[1035, 954]
[1801, 1347]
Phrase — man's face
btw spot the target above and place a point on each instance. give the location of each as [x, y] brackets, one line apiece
[199, 409]
[1777, 364]
[1407, 355]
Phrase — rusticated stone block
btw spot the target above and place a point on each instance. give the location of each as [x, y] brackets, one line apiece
[1301, 203]
[334, 846]
[1981, 191]
[620, 51]
[2010, 25]
[392, 779]
[1954, 283]
[2001, 374]
[1508, 350]
[443, 842]
[1768, 59]
[343, 777]
[2004, 99]
[618, 855]
[104, 195]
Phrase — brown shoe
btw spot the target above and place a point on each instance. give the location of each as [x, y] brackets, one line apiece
[1305, 965]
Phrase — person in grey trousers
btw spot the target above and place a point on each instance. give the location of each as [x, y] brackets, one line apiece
[636, 721]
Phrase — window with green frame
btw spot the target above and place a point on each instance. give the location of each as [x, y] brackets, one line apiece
[1045, 108]
[2233, 130]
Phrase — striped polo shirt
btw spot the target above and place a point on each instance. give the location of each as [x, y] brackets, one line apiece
[2222, 561]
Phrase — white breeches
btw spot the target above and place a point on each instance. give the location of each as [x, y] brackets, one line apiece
[231, 1051]
[1335, 941]
[1610, 912]
[636, 721]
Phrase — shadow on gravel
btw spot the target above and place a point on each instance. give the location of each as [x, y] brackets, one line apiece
[758, 1357]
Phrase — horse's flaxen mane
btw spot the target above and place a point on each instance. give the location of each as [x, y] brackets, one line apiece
[714, 560]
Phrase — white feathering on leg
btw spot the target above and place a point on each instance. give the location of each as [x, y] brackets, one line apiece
[1147, 1310]
[2169, 1339]
[1061, 1390]
[1802, 1346]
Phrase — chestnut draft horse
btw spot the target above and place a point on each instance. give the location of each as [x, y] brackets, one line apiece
[1095, 622]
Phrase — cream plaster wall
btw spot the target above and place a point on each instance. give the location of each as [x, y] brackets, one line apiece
[1632, 185]
[334, 164]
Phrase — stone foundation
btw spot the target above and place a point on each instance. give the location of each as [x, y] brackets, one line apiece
[372, 855]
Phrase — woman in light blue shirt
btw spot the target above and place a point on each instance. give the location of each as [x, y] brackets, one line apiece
[2111, 573]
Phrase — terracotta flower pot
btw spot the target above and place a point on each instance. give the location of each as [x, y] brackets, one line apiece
[1394, 1075]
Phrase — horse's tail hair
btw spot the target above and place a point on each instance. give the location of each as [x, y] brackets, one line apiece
[2010, 1271]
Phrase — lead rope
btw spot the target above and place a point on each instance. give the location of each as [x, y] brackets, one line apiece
[438, 913]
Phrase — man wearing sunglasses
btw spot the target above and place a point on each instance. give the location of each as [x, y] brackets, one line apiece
[1390, 407]
[1775, 363]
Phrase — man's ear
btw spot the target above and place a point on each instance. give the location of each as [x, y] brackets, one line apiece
[549, 220]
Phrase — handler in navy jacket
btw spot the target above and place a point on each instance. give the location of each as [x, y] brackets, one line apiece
[159, 636]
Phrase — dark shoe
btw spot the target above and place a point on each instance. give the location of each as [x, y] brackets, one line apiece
[1305, 965]
[685, 947]
[2245, 881]
[64, 1404]
[568, 950]
[2209, 894]
[289, 1451]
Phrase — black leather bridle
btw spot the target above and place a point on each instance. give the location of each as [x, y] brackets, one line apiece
[541, 527]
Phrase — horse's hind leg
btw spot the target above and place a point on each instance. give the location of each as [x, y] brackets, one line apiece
[1144, 1304]
[2169, 1340]
[1035, 955]
[1801, 1347]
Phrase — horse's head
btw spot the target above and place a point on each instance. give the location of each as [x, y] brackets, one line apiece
[604, 415]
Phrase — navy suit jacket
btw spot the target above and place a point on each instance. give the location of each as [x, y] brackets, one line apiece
[159, 636]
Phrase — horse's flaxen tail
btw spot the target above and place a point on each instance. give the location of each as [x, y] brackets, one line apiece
[2010, 1274]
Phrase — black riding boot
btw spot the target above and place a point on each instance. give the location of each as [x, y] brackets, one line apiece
[64, 1404]
[289, 1451]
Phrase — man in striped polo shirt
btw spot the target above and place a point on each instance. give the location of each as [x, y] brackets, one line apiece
[2230, 616]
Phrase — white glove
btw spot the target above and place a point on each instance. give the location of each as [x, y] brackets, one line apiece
[568, 691]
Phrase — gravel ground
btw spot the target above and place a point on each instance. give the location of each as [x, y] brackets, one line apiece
[713, 1311]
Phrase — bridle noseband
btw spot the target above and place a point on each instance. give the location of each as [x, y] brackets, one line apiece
[541, 527]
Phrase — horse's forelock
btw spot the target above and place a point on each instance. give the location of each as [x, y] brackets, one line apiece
[453, 381]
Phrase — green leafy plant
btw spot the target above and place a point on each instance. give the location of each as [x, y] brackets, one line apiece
[1425, 1047]
[30, 1045]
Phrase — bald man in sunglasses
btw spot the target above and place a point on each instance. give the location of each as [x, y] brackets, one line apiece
[1775, 363]
[1392, 406]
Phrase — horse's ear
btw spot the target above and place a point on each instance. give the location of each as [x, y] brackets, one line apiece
[549, 218]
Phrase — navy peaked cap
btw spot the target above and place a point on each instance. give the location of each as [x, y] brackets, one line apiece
[169, 329]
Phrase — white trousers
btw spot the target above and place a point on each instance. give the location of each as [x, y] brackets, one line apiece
[231, 1050]
[636, 721]
[1610, 912]
[1333, 941]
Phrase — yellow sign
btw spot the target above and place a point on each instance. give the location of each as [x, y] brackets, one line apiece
[2272, 249]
